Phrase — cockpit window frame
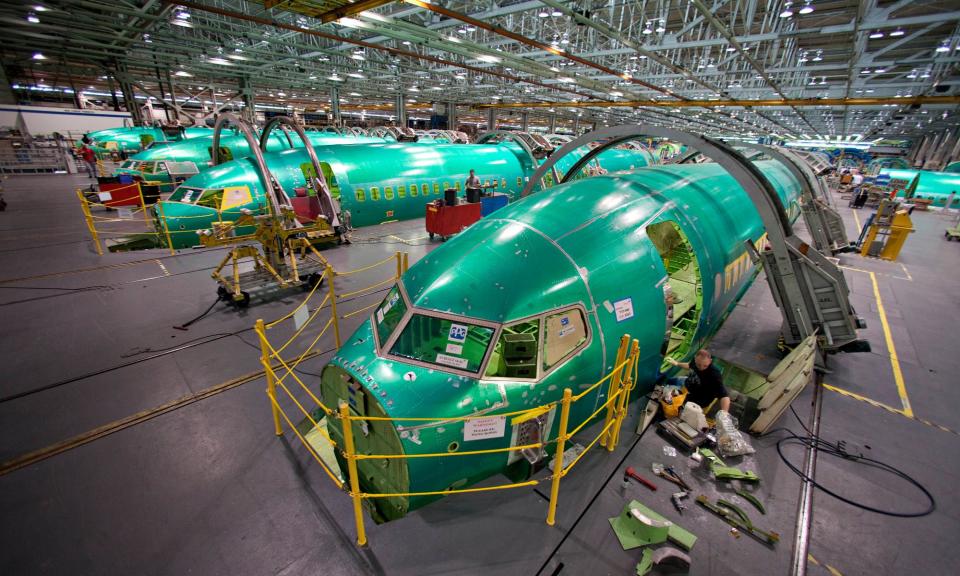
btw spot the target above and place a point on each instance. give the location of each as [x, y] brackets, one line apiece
[382, 348]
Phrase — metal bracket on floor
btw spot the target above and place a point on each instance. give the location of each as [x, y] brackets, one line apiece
[809, 289]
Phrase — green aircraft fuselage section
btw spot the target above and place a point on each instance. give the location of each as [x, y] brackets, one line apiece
[570, 270]
[376, 182]
[935, 186]
[146, 164]
[131, 139]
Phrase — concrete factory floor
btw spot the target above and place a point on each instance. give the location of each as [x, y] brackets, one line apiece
[202, 486]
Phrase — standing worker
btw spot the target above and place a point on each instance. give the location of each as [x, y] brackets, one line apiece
[705, 383]
[90, 158]
[473, 187]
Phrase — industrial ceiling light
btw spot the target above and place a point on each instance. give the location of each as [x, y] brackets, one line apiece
[944, 46]
[912, 74]
[876, 34]
[220, 61]
[471, 28]
[787, 12]
[819, 56]
[556, 13]
[897, 32]
[40, 8]
[661, 27]
[147, 39]
[807, 8]
[879, 70]
[39, 56]
[183, 74]
[543, 14]
[335, 77]
[32, 18]
[647, 29]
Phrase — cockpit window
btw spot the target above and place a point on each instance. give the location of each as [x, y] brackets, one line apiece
[185, 195]
[515, 354]
[389, 314]
[444, 342]
[211, 198]
[563, 333]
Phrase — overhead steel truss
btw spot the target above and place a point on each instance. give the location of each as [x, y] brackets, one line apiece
[470, 52]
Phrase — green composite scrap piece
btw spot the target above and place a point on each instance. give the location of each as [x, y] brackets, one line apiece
[638, 526]
[723, 472]
[737, 518]
[753, 500]
[646, 562]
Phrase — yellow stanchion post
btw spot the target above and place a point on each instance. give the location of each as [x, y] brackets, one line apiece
[613, 388]
[624, 396]
[143, 205]
[558, 457]
[166, 230]
[351, 457]
[333, 304]
[85, 206]
[271, 379]
[406, 261]
[399, 264]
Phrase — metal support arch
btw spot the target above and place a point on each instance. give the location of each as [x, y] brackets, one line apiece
[792, 260]
[501, 135]
[326, 202]
[265, 177]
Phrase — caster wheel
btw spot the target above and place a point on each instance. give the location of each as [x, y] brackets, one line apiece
[312, 281]
[431, 235]
[244, 301]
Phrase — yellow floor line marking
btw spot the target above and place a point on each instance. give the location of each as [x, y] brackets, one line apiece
[833, 571]
[857, 220]
[89, 436]
[162, 267]
[894, 360]
[888, 408]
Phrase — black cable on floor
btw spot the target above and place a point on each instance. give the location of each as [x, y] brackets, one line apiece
[184, 326]
[835, 449]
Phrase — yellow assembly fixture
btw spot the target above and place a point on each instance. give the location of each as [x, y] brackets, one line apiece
[887, 231]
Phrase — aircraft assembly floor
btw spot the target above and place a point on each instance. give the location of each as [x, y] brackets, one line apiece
[150, 450]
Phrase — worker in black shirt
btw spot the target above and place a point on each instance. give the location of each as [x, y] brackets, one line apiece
[705, 383]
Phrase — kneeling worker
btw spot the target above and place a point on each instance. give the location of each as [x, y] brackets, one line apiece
[705, 383]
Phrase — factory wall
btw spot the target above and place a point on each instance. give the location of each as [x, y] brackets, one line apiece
[42, 120]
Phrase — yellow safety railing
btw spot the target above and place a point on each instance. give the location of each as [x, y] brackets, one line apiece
[270, 355]
[103, 226]
[620, 382]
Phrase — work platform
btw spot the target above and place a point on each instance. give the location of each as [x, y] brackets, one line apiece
[173, 467]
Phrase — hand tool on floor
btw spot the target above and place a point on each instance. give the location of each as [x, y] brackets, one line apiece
[677, 498]
[668, 473]
[631, 473]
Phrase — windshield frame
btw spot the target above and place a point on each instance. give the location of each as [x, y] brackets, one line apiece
[383, 349]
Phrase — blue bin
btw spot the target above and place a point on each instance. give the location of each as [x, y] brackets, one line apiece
[489, 204]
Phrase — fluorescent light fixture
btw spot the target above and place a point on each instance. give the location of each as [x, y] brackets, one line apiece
[616, 94]
[354, 94]
[944, 47]
[220, 61]
[661, 27]
[879, 70]
[787, 12]
[488, 58]
[543, 14]
[413, 89]
[807, 8]
[357, 56]
[335, 77]
[181, 23]
[32, 18]
[183, 74]
[566, 80]
[356, 75]
[897, 32]
[40, 8]
[876, 34]
[237, 57]
[406, 42]
[39, 56]
[281, 94]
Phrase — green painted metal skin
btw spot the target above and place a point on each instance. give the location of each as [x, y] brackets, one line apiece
[582, 246]
[935, 186]
[197, 150]
[375, 182]
[952, 168]
[129, 139]
[878, 164]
